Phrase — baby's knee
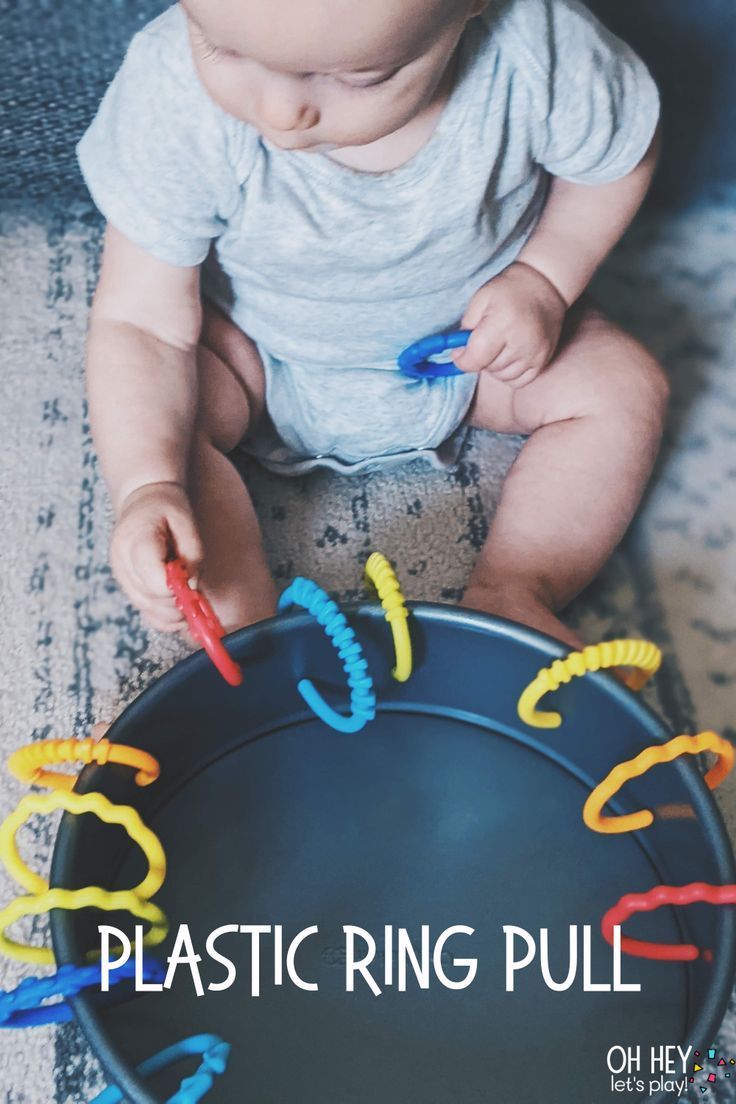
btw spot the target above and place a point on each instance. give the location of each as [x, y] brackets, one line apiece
[636, 386]
[610, 374]
[231, 382]
[222, 410]
[226, 407]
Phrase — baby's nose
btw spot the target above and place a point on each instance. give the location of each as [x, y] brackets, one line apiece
[283, 111]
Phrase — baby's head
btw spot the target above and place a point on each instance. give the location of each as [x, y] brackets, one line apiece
[314, 73]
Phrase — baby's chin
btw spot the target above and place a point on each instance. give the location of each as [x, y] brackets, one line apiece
[321, 147]
[304, 145]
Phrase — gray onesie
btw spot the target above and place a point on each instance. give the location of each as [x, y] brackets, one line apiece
[332, 271]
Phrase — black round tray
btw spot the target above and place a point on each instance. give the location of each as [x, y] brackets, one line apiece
[445, 810]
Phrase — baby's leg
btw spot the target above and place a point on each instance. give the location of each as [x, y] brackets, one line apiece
[234, 576]
[595, 421]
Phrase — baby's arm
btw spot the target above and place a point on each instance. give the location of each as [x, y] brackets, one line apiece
[517, 317]
[142, 385]
[581, 224]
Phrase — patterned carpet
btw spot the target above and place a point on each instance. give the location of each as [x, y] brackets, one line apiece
[77, 653]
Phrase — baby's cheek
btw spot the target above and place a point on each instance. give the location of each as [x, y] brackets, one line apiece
[366, 117]
[226, 89]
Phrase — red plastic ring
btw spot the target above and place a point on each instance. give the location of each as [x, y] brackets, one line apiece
[657, 898]
[202, 622]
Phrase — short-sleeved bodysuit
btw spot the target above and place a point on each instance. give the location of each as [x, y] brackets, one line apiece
[333, 271]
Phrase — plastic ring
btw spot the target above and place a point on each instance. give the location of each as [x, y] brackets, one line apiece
[305, 593]
[383, 577]
[202, 621]
[657, 898]
[215, 1054]
[596, 657]
[28, 762]
[634, 768]
[124, 815]
[90, 897]
[414, 361]
[24, 1007]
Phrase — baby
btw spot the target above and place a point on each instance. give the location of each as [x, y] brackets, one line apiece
[294, 191]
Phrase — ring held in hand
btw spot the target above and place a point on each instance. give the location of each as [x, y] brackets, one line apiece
[414, 361]
[202, 621]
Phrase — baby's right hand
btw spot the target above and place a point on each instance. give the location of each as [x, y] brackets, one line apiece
[152, 519]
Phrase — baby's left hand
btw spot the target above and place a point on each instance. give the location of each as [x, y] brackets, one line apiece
[516, 319]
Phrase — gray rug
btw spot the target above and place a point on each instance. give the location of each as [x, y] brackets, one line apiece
[76, 652]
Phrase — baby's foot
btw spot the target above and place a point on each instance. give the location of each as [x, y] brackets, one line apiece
[518, 604]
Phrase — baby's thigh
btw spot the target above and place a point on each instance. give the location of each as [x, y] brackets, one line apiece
[598, 370]
[231, 379]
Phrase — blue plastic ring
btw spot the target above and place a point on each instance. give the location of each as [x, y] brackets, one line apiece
[305, 593]
[23, 1007]
[414, 362]
[215, 1054]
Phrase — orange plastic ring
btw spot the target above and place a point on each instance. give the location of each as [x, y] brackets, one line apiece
[634, 768]
[28, 763]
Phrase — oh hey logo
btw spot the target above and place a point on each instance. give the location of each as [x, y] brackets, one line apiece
[668, 1069]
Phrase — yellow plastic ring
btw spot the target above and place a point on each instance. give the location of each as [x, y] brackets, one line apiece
[633, 768]
[28, 763]
[611, 653]
[124, 815]
[90, 897]
[380, 573]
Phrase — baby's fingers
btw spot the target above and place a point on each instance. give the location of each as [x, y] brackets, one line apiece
[483, 348]
[507, 364]
[147, 567]
[163, 618]
[186, 538]
[526, 377]
[154, 607]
